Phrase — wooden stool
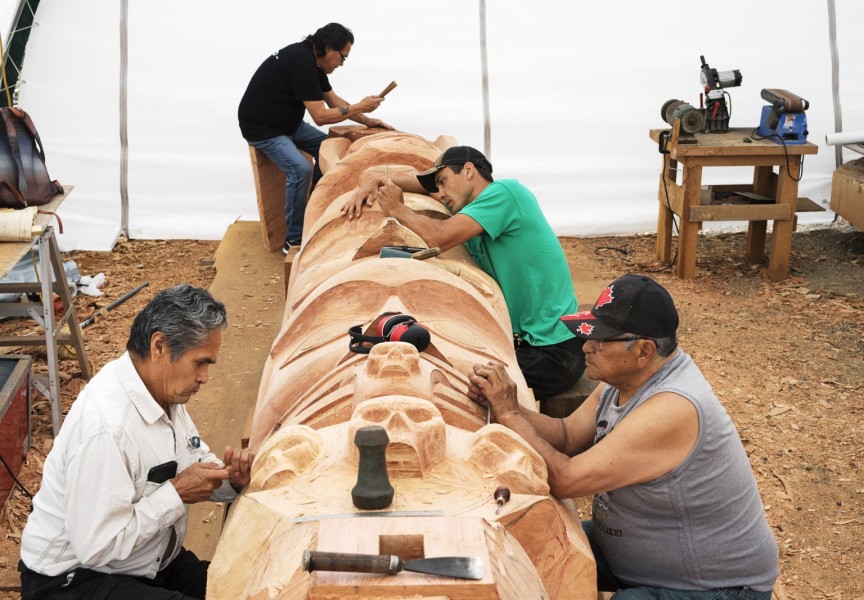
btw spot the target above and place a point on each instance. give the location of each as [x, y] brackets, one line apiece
[270, 191]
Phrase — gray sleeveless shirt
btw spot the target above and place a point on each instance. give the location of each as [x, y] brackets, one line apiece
[701, 526]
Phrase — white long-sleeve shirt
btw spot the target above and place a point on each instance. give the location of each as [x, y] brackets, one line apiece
[95, 508]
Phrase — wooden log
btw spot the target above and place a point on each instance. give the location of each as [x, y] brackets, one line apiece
[442, 458]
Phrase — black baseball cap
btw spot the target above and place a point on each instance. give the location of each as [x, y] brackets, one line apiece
[631, 304]
[457, 155]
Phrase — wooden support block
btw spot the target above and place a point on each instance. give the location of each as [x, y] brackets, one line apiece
[289, 261]
[270, 192]
[847, 192]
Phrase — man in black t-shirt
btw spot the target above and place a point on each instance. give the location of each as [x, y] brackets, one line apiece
[287, 84]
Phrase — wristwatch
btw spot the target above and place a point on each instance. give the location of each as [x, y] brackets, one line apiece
[344, 109]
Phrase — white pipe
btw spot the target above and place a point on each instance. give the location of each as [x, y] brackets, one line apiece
[844, 137]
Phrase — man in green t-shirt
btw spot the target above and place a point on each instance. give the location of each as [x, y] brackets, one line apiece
[504, 230]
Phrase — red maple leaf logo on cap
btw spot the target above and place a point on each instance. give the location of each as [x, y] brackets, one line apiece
[585, 328]
[605, 298]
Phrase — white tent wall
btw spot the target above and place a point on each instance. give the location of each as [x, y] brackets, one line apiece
[574, 88]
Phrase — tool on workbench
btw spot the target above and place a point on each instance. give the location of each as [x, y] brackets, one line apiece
[103, 311]
[692, 119]
[373, 489]
[716, 108]
[783, 120]
[461, 567]
[501, 495]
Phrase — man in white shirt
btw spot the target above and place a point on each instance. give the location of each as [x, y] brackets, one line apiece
[110, 517]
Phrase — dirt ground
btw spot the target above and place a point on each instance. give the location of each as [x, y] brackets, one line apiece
[785, 358]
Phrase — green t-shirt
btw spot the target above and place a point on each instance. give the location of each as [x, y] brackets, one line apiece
[520, 251]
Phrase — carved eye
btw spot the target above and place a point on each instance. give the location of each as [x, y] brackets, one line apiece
[419, 415]
[376, 415]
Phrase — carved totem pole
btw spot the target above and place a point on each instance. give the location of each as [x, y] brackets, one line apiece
[319, 397]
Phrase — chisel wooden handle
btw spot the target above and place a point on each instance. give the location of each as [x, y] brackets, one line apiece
[352, 563]
[388, 89]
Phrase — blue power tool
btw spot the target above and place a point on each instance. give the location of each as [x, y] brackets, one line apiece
[784, 120]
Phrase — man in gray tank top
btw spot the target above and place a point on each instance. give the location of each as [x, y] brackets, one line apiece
[677, 513]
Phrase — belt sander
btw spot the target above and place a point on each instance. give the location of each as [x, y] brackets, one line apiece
[783, 120]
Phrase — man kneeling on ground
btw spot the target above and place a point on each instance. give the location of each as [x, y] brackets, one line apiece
[110, 517]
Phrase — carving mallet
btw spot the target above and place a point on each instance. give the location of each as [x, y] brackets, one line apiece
[373, 489]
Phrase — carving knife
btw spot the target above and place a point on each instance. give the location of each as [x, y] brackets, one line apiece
[462, 567]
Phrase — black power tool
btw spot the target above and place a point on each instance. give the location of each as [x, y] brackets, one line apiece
[716, 109]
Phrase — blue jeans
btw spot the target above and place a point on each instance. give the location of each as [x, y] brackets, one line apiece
[284, 151]
[606, 581]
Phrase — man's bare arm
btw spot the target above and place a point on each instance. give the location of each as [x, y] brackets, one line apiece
[654, 439]
[568, 436]
[339, 110]
[443, 234]
[367, 193]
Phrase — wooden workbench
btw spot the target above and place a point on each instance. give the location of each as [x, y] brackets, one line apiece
[700, 150]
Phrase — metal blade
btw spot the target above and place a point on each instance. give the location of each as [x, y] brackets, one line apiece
[462, 567]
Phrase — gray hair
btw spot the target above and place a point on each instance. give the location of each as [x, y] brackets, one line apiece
[186, 315]
[665, 345]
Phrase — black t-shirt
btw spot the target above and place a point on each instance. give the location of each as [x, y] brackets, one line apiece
[273, 102]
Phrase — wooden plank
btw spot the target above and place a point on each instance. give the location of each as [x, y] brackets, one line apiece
[248, 283]
[461, 537]
[716, 159]
[807, 205]
[741, 212]
[732, 143]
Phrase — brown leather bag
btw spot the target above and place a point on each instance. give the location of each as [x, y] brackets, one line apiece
[24, 179]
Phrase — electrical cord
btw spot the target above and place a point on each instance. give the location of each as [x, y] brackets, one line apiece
[669, 206]
[779, 139]
[625, 252]
[729, 104]
[12, 475]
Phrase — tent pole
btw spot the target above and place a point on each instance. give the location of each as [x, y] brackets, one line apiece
[835, 78]
[124, 132]
[484, 64]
